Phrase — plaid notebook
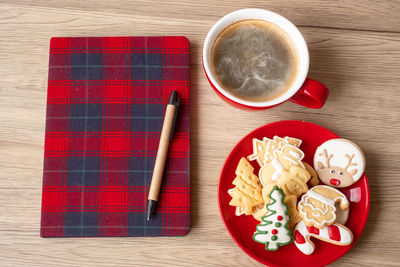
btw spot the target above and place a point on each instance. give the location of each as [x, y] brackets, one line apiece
[105, 109]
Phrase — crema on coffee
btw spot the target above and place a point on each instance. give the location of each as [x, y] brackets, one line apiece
[254, 60]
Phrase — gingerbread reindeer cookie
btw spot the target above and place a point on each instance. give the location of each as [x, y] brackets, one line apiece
[339, 162]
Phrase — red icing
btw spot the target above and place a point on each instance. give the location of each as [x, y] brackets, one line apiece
[279, 218]
[274, 232]
[334, 182]
[313, 230]
[334, 232]
[299, 238]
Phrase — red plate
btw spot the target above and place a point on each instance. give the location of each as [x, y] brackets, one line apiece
[242, 227]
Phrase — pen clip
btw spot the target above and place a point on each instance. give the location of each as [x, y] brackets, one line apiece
[174, 100]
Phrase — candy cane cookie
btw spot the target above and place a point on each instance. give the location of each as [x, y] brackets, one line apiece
[336, 234]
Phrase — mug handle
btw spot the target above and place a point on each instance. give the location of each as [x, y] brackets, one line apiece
[312, 94]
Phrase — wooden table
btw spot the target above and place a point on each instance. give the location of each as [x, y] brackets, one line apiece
[355, 51]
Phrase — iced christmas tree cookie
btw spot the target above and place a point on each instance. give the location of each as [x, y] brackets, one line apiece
[274, 229]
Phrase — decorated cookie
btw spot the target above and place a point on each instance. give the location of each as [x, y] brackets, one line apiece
[247, 192]
[294, 181]
[277, 144]
[314, 176]
[239, 210]
[259, 150]
[259, 211]
[317, 206]
[274, 230]
[335, 234]
[339, 162]
[341, 215]
[291, 203]
[293, 141]
[283, 159]
[263, 150]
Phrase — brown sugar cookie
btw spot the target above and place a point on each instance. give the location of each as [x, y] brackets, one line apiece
[294, 181]
[247, 192]
[291, 203]
[314, 176]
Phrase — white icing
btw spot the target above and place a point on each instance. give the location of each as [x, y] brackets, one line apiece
[278, 206]
[346, 237]
[324, 233]
[308, 247]
[321, 198]
[252, 157]
[339, 148]
[278, 169]
[276, 175]
[311, 193]
[239, 211]
[264, 228]
[280, 141]
[298, 140]
[280, 209]
[294, 154]
[293, 149]
[291, 160]
[255, 146]
[259, 175]
[303, 202]
[341, 197]
[277, 165]
[271, 147]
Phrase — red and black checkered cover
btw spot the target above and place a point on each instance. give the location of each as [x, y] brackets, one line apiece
[105, 108]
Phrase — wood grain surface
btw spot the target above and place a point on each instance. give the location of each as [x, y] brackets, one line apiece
[355, 50]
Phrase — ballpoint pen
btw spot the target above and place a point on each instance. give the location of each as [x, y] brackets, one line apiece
[165, 138]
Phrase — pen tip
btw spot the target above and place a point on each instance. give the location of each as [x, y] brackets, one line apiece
[150, 208]
[173, 98]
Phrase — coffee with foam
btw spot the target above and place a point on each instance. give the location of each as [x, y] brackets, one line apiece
[254, 60]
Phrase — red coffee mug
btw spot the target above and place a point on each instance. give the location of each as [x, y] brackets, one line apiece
[304, 91]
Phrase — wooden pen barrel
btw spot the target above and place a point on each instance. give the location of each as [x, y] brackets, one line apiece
[162, 153]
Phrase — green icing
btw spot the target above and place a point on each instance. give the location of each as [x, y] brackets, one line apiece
[266, 222]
